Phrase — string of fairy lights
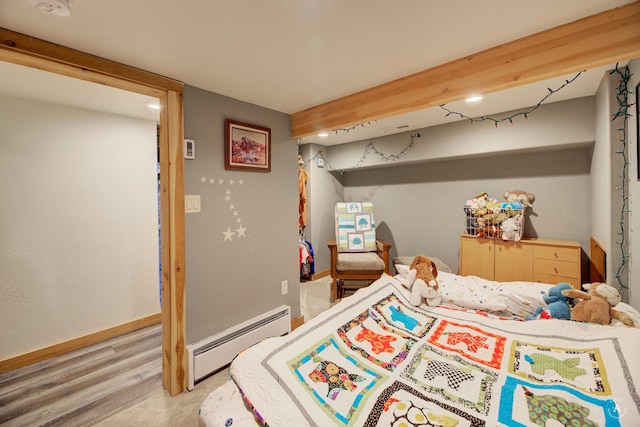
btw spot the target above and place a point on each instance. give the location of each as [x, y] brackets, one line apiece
[370, 148]
[510, 118]
[354, 127]
[622, 97]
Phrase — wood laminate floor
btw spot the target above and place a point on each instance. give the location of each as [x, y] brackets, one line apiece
[115, 383]
[84, 386]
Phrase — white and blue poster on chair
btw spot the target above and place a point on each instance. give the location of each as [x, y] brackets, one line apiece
[355, 227]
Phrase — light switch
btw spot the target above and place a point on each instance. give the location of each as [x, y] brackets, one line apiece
[192, 203]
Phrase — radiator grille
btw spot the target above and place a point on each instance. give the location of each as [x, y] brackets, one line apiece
[240, 332]
[212, 353]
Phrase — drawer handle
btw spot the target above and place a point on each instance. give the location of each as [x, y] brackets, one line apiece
[555, 269]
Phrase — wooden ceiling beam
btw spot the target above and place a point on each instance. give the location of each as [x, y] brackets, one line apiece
[594, 41]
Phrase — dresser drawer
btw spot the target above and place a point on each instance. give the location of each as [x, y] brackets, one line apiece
[556, 268]
[555, 253]
[554, 279]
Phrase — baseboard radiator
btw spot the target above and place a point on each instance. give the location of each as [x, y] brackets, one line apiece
[214, 352]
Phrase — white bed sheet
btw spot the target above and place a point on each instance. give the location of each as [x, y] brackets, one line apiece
[224, 407]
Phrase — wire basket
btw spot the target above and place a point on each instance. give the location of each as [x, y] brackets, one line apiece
[504, 221]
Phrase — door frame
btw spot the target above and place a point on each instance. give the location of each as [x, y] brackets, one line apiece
[37, 53]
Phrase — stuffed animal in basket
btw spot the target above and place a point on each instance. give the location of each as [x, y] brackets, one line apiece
[512, 228]
[421, 280]
[597, 304]
[519, 196]
[557, 304]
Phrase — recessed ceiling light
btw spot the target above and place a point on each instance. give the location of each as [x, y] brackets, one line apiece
[153, 105]
[474, 98]
[323, 134]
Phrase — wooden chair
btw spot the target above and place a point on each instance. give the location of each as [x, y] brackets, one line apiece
[357, 266]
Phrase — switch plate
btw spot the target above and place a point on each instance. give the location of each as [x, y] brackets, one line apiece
[189, 149]
[192, 203]
[284, 285]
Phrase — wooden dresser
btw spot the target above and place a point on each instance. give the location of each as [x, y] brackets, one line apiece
[533, 260]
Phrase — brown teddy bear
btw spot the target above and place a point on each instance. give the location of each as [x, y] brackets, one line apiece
[421, 280]
[597, 304]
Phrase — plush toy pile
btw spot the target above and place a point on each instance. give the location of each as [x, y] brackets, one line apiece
[596, 305]
[486, 217]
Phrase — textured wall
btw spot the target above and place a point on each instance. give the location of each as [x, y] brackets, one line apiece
[78, 223]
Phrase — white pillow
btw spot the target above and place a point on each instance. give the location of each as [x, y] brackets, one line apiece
[470, 292]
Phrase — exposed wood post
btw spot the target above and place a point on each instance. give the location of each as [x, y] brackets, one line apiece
[173, 295]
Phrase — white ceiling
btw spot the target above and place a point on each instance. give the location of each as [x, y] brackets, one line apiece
[289, 55]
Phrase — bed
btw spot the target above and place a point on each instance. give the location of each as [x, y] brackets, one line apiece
[373, 360]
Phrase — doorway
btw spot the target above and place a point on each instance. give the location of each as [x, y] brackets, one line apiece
[31, 52]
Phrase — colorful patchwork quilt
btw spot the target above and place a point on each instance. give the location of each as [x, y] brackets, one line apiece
[375, 360]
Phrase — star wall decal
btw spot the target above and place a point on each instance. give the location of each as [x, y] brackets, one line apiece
[241, 231]
[228, 235]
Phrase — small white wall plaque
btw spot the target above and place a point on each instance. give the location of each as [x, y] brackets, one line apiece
[189, 149]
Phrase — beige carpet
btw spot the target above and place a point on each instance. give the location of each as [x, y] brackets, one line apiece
[162, 410]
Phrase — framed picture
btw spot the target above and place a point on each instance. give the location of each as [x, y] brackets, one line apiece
[247, 147]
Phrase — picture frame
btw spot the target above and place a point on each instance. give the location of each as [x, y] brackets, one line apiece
[247, 147]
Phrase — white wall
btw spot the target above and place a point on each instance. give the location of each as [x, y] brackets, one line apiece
[78, 223]
[600, 180]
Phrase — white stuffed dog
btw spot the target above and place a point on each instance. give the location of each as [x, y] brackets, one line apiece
[421, 280]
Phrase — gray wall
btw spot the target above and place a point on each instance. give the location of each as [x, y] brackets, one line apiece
[419, 207]
[419, 198]
[229, 281]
